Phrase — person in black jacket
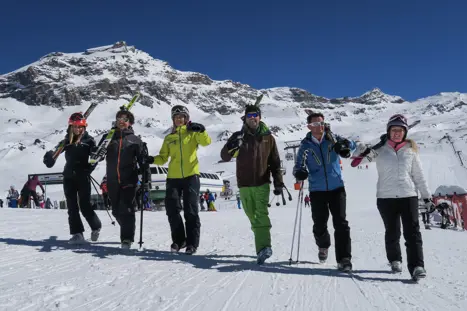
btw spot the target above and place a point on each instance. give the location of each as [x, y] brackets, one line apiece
[124, 155]
[76, 181]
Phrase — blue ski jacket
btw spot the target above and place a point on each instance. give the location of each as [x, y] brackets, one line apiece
[322, 162]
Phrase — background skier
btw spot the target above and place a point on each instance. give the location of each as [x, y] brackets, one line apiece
[29, 190]
[12, 197]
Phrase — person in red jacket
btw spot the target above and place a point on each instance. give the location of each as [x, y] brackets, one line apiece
[105, 193]
[29, 189]
[307, 201]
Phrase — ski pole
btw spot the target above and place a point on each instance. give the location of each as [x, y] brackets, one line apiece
[300, 221]
[283, 197]
[295, 224]
[144, 181]
[269, 204]
[94, 182]
[288, 192]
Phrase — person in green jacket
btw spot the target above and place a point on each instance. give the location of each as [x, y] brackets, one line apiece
[183, 182]
[257, 159]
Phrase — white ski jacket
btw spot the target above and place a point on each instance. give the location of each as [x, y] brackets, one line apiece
[400, 173]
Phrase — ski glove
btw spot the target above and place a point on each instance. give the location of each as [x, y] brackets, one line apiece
[48, 159]
[301, 174]
[342, 147]
[429, 205]
[195, 127]
[234, 143]
[150, 159]
[278, 188]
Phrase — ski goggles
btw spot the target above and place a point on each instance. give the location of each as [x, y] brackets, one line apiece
[124, 119]
[398, 117]
[315, 124]
[252, 115]
[179, 110]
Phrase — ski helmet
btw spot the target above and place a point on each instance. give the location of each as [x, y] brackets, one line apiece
[179, 109]
[77, 119]
[397, 120]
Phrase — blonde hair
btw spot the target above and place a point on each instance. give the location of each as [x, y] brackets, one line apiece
[413, 144]
[73, 138]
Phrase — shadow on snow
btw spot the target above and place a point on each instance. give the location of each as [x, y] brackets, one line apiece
[219, 262]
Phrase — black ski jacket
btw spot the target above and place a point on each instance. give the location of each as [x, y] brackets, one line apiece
[124, 155]
[77, 156]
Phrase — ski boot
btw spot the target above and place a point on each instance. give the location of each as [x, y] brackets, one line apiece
[126, 244]
[396, 266]
[323, 255]
[77, 239]
[264, 254]
[95, 235]
[174, 248]
[418, 273]
[190, 250]
[345, 265]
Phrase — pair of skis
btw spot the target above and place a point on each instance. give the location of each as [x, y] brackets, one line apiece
[100, 153]
[359, 158]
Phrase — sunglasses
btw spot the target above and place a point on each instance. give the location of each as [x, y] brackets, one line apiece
[124, 119]
[314, 124]
[252, 115]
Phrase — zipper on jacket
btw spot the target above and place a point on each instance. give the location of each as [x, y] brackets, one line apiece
[118, 159]
[324, 165]
[181, 152]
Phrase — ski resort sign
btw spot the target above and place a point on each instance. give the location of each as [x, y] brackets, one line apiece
[49, 179]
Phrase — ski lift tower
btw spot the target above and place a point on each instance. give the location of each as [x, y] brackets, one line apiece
[294, 144]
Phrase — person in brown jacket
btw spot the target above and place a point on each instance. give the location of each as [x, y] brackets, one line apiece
[257, 159]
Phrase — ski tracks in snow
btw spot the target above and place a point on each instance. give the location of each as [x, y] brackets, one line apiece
[40, 271]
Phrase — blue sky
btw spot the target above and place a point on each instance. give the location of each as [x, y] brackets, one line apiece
[331, 48]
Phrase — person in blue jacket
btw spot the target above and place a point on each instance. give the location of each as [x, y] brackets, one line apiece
[318, 160]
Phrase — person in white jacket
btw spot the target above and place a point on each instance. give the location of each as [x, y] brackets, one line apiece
[400, 177]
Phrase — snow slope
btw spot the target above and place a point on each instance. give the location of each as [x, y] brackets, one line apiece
[40, 271]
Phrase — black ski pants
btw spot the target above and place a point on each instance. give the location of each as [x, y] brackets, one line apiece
[78, 198]
[392, 211]
[334, 201]
[426, 218]
[188, 189]
[123, 201]
[26, 195]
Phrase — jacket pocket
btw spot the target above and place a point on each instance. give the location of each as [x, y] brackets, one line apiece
[313, 154]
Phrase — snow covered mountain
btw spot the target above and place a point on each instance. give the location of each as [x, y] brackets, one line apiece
[36, 100]
[40, 271]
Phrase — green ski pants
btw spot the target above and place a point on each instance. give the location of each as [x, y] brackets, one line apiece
[255, 204]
